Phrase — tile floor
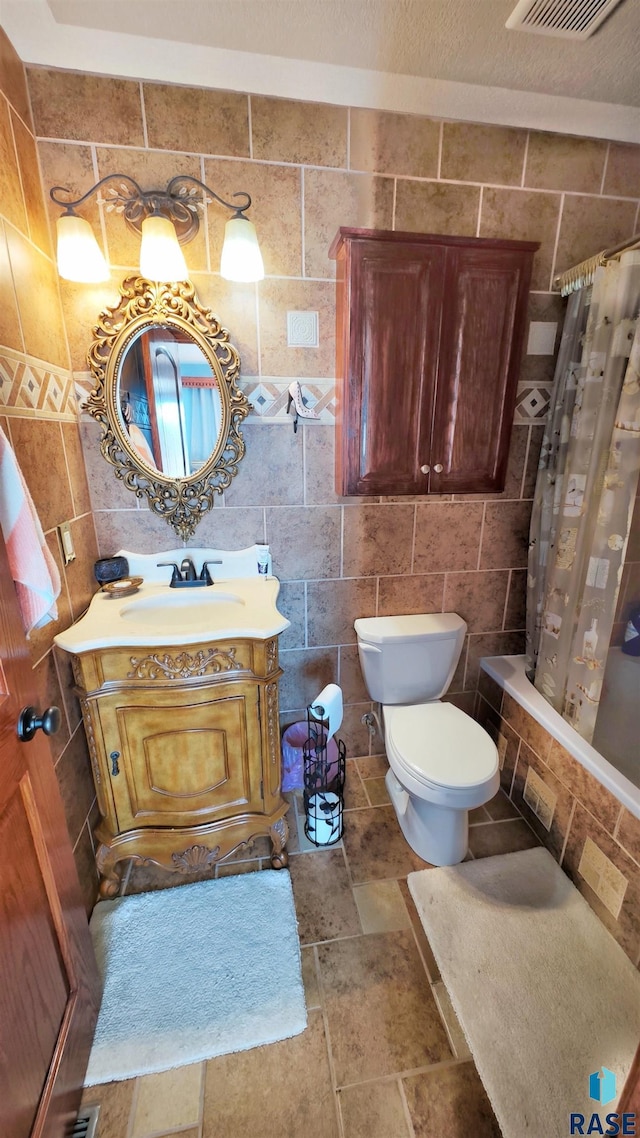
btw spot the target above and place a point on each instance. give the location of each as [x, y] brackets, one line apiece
[383, 1055]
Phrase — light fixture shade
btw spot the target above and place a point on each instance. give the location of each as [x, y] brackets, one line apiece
[161, 258]
[241, 258]
[80, 258]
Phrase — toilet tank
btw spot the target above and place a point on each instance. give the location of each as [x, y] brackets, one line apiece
[409, 659]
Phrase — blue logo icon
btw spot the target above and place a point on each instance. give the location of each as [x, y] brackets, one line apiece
[602, 1086]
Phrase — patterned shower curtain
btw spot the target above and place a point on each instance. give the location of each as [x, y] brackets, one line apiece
[585, 493]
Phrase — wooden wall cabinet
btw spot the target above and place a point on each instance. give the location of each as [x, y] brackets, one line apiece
[429, 340]
[185, 749]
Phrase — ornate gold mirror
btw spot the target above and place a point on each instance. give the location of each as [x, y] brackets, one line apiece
[167, 399]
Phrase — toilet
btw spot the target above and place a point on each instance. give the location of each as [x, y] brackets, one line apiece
[441, 762]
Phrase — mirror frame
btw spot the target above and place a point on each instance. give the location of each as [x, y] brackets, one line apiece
[148, 304]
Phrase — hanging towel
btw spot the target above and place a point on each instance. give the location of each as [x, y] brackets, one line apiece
[33, 569]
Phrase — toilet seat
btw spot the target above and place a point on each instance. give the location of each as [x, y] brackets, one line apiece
[441, 748]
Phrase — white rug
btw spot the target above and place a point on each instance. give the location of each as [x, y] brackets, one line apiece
[543, 992]
[194, 972]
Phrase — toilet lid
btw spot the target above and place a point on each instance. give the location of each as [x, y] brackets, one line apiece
[439, 744]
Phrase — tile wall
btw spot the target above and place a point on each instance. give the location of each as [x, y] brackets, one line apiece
[310, 169]
[39, 416]
[590, 834]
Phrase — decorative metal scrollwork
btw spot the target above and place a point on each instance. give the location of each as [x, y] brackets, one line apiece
[147, 305]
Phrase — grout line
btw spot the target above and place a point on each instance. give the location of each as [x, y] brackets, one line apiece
[393, 204]
[635, 224]
[440, 145]
[348, 138]
[205, 219]
[604, 168]
[124, 881]
[133, 1108]
[304, 464]
[566, 837]
[258, 344]
[413, 538]
[303, 251]
[526, 462]
[525, 159]
[506, 601]
[556, 242]
[325, 1020]
[341, 508]
[484, 513]
[306, 616]
[480, 200]
[405, 1107]
[143, 113]
[616, 826]
[249, 125]
[443, 1065]
[377, 602]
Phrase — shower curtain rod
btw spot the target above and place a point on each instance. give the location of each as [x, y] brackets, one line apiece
[583, 273]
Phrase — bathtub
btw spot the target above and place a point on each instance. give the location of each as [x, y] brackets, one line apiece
[509, 673]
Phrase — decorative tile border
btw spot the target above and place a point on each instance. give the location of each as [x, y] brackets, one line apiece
[269, 398]
[532, 402]
[29, 386]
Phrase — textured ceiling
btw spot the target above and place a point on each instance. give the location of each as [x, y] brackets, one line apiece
[462, 40]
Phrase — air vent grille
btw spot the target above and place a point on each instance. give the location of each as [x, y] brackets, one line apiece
[571, 19]
[86, 1123]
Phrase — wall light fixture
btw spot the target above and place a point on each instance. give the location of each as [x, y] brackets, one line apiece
[165, 219]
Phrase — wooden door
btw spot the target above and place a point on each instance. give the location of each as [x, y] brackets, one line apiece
[183, 758]
[391, 349]
[485, 301]
[49, 982]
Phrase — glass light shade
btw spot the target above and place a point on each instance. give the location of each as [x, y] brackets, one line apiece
[161, 258]
[80, 257]
[241, 258]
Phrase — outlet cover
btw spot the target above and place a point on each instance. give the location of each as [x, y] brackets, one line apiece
[303, 330]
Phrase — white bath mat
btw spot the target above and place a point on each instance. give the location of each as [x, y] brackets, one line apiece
[544, 994]
[194, 972]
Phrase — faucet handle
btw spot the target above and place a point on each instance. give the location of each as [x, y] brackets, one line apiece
[176, 575]
[205, 574]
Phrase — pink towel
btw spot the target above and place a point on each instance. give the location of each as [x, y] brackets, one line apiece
[33, 569]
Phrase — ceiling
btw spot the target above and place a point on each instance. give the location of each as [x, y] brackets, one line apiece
[459, 40]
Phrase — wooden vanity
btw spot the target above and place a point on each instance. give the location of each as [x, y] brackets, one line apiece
[185, 750]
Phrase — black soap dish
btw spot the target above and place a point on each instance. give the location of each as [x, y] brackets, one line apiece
[110, 569]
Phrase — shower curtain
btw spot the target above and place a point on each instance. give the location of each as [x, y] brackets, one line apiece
[585, 493]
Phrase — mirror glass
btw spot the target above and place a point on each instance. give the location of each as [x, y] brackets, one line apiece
[169, 401]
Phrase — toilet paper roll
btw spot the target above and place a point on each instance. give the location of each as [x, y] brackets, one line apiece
[328, 706]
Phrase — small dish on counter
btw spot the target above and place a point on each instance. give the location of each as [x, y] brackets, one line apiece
[122, 588]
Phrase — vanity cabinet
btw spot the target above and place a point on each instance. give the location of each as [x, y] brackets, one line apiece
[185, 751]
[429, 340]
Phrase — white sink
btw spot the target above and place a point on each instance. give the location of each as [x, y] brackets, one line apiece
[233, 607]
[180, 608]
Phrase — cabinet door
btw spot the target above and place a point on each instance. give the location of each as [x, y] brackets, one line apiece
[183, 758]
[484, 311]
[395, 301]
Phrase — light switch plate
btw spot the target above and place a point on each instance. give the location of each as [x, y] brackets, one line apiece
[303, 330]
[66, 542]
[542, 337]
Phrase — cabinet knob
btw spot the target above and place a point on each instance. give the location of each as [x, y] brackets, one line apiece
[425, 469]
[438, 468]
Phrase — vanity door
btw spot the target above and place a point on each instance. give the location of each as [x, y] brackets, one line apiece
[183, 758]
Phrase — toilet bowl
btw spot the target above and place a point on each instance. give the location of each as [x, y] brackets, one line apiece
[441, 762]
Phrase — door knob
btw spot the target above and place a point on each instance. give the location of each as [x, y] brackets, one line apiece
[438, 468]
[425, 469]
[29, 721]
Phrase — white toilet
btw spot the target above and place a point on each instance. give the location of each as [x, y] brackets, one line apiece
[442, 763]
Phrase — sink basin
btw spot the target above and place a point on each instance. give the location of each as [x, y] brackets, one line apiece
[158, 616]
[173, 609]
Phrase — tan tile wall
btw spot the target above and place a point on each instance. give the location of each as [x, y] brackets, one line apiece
[313, 168]
[589, 832]
[38, 414]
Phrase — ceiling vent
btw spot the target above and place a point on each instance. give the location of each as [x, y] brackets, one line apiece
[570, 19]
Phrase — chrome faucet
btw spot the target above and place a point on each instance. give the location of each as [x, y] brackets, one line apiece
[185, 576]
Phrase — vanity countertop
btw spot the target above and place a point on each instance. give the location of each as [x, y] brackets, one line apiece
[159, 615]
